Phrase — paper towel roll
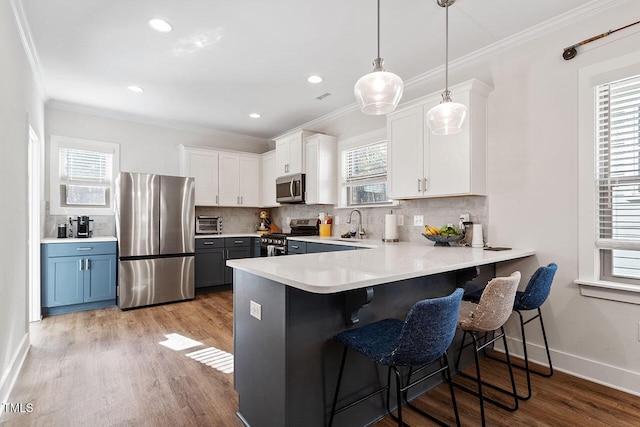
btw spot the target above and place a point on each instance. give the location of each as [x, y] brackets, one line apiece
[390, 228]
[477, 241]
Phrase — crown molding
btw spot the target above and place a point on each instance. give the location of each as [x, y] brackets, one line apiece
[549, 26]
[118, 115]
[29, 47]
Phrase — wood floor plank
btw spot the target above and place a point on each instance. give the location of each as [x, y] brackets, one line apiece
[106, 368]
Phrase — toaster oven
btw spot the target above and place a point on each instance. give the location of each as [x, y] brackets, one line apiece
[208, 224]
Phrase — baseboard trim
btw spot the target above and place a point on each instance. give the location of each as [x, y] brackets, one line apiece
[11, 375]
[581, 367]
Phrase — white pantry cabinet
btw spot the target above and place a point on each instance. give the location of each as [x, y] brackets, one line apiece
[425, 165]
[321, 169]
[239, 179]
[202, 164]
[269, 175]
[290, 153]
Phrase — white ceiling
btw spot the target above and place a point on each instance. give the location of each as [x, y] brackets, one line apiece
[255, 54]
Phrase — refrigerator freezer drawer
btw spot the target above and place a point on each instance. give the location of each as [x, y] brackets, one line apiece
[153, 281]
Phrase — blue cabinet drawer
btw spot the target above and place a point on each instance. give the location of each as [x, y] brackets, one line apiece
[209, 243]
[78, 249]
[231, 242]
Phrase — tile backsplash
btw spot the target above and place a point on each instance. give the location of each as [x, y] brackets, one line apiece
[436, 211]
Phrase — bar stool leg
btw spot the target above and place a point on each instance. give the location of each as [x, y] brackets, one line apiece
[546, 345]
[335, 396]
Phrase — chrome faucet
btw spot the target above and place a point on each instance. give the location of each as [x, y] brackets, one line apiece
[361, 231]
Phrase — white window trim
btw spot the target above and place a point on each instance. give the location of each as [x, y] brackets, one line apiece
[348, 144]
[588, 254]
[57, 142]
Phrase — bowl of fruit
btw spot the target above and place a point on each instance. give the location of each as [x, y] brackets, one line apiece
[442, 236]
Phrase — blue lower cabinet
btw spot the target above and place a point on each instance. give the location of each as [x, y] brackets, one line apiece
[78, 276]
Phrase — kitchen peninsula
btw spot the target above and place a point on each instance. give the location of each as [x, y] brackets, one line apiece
[287, 309]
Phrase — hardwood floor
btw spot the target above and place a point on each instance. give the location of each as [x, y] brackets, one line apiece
[106, 368]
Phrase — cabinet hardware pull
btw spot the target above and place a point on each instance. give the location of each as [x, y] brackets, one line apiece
[216, 199]
[207, 243]
[295, 247]
[80, 264]
[83, 249]
[87, 264]
[238, 242]
[419, 185]
[426, 182]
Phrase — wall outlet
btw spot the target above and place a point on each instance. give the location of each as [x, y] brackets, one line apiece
[464, 217]
[400, 220]
[336, 220]
[255, 310]
[418, 220]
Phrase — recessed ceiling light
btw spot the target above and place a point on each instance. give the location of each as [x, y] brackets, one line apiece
[134, 88]
[160, 25]
[314, 79]
[254, 115]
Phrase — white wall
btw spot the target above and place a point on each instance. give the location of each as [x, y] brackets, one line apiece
[143, 147]
[20, 106]
[533, 182]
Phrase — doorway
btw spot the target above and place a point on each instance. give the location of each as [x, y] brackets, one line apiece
[35, 177]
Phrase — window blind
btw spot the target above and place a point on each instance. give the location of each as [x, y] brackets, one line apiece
[618, 173]
[368, 162]
[83, 166]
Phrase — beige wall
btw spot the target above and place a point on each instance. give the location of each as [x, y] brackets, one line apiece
[20, 107]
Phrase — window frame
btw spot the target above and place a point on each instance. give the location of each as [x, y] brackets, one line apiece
[357, 141]
[56, 143]
[590, 262]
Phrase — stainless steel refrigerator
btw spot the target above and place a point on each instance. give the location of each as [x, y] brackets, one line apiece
[155, 217]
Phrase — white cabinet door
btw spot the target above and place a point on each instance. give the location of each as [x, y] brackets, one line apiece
[282, 156]
[321, 169]
[229, 179]
[295, 154]
[203, 166]
[269, 175]
[249, 180]
[406, 153]
[449, 160]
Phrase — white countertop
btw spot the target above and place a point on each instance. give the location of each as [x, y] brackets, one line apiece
[332, 272]
[79, 239]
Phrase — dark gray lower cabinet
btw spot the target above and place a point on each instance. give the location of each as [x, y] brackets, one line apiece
[212, 255]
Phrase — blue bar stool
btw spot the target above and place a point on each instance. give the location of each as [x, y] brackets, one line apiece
[417, 342]
[532, 298]
[476, 321]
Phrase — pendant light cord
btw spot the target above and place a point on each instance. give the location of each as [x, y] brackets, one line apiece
[446, 47]
[378, 28]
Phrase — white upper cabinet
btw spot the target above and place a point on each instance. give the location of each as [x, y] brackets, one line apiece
[425, 165]
[202, 164]
[321, 169]
[222, 178]
[290, 153]
[269, 175]
[239, 179]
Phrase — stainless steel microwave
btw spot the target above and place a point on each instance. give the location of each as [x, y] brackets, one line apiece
[290, 188]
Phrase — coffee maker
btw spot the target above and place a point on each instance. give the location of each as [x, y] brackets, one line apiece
[81, 226]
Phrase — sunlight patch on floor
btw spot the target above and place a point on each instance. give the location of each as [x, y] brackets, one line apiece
[218, 359]
[178, 342]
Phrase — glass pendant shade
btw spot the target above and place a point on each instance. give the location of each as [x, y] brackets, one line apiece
[378, 92]
[446, 118]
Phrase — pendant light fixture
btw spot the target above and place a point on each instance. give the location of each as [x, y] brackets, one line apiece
[448, 117]
[378, 92]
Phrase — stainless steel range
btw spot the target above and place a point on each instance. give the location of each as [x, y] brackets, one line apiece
[275, 244]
